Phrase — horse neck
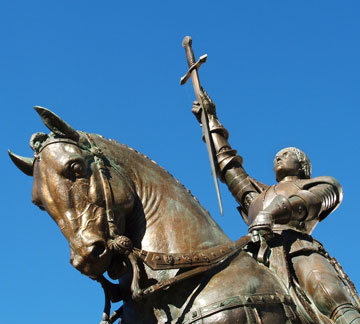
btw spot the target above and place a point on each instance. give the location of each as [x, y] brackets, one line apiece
[166, 217]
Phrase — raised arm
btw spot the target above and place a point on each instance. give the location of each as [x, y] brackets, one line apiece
[231, 171]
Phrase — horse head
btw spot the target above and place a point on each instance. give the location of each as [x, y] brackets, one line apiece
[72, 183]
[98, 191]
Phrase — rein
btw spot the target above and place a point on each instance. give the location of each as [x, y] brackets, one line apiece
[199, 261]
[196, 263]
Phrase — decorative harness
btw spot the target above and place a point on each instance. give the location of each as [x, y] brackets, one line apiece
[197, 262]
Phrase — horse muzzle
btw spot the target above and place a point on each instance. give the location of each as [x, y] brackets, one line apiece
[93, 259]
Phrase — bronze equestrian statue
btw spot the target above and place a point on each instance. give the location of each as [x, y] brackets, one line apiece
[281, 217]
[125, 215]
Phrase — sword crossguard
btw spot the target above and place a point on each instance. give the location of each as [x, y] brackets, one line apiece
[190, 57]
[196, 66]
[193, 73]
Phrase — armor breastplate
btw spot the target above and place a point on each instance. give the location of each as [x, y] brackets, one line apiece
[286, 189]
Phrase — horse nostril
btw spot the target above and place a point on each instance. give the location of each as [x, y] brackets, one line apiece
[77, 262]
[98, 249]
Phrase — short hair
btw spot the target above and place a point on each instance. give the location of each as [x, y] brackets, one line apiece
[303, 159]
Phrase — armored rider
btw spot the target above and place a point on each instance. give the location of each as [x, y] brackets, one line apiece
[286, 212]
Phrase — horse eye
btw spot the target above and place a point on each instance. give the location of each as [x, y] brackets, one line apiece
[78, 169]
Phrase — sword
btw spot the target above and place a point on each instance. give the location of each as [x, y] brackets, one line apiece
[193, 73]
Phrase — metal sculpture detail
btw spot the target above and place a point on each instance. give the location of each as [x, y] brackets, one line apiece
[125, 215]
[281, 218]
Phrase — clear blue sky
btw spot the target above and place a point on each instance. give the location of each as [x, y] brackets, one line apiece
[283, 73]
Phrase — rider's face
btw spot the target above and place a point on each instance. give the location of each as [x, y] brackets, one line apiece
[286, 164]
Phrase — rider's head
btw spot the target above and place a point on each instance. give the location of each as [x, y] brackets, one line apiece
[291, 161]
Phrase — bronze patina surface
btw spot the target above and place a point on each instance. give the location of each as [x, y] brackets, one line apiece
[123, 214]
[280, 219]
[113, 205]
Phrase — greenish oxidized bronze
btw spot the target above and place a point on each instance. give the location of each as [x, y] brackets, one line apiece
[125, 215]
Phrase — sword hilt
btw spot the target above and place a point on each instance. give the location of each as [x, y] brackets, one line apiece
[193, 67]
[187, 44]
[193, 73]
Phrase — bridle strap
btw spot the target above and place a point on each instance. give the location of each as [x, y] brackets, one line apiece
[217, 255]
[99, 158]
[213, 255]
[199, 261]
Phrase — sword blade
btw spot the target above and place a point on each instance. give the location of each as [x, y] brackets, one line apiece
[211, 153]
[193, 71]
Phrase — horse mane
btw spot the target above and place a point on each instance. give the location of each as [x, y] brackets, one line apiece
[39, 140]
[145, 157]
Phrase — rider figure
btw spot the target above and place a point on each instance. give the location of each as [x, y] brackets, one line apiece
[286, 212]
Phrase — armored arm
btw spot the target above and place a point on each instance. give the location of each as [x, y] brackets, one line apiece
[230, 169]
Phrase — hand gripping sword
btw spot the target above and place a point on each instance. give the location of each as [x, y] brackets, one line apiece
[193, 73]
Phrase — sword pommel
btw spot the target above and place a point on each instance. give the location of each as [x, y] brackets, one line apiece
[193, 65]
[187, 41]
[187, 44]
[193, 73]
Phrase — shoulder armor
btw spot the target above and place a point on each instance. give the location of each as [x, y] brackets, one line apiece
[307, 184]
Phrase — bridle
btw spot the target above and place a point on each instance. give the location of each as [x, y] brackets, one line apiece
[118, 243]
[197, 262]
[99, 159]
[100, 162]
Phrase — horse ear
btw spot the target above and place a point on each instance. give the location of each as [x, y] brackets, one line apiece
[25, 164]
[56, 124]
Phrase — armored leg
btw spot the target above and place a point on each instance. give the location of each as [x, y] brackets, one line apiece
[345, 314]
[320, 280]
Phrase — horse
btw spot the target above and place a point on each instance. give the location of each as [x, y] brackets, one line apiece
[125, 215]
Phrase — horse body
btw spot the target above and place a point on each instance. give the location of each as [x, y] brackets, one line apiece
[157, 213]
[175, 222]
[174, 219]
[217, 297]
